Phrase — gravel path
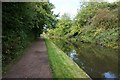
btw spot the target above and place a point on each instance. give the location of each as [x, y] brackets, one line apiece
[34, 64]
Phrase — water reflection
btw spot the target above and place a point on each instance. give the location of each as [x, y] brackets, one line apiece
[97, 61]
[73, 55]
[109, 75]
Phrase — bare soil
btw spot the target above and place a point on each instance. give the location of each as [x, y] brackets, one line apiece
[34, 64]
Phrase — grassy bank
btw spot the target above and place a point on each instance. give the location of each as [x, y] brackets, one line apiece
[62, 66]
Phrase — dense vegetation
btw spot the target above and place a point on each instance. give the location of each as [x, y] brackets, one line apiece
[94, 23]
[23, 23]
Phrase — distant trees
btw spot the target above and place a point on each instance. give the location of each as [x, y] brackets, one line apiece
[95, 22]
[62, 26]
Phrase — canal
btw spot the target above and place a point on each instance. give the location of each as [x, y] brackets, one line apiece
[97, 61]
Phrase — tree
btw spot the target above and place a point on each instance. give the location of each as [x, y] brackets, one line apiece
[22, 22]
[63, 26]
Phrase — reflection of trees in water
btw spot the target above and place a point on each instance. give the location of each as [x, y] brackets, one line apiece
[62, 44]
[94, 59]
[98, 59]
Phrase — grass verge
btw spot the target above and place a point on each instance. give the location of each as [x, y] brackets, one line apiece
[62, 66]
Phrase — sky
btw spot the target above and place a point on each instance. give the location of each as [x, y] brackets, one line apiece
[67, 6]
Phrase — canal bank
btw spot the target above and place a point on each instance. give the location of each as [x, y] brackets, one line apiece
[62, 66]
[97, 61]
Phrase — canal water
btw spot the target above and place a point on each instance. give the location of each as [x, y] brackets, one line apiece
[95, 60]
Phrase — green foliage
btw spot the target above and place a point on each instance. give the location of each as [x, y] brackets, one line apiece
[102, 27]
[62, 26]
[89, 10]
[95, 23]
[106, 19]
[22, 23]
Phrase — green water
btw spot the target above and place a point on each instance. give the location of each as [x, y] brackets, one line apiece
[95, 60]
